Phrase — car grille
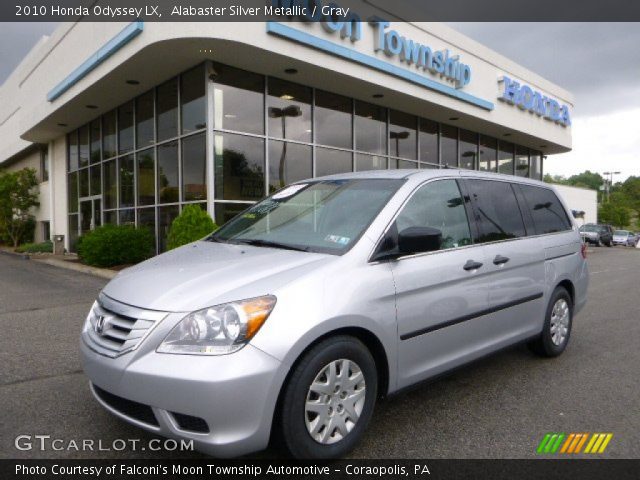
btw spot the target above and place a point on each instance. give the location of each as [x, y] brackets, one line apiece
[117, 328]
[129, 408]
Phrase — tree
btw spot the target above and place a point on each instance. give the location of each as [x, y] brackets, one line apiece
[18, 196]
[614, 214]
[192, 224]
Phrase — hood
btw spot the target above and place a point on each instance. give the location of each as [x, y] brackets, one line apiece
[205, 273]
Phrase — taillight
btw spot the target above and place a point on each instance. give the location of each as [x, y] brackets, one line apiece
[583, 250]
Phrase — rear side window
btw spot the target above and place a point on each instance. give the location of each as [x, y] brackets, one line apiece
[496, 210]
[548, 214]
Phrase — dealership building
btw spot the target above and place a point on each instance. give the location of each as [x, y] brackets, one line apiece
[126, 123]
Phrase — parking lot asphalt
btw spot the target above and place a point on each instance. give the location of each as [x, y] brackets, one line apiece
[500, 407]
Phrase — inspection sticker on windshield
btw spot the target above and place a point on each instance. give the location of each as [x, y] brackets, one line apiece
[287, 192]
[337, 239]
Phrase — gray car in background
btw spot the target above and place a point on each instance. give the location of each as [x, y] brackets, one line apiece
[596, 234]
[624, 237]
[291, 320]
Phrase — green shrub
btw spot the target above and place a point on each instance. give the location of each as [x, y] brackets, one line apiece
[44, 247]
[111, 245]
[192, 224]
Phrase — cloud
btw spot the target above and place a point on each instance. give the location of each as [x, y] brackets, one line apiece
[17, 39]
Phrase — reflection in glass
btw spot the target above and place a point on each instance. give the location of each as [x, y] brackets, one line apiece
[194, 168]
[397, 163]
[449, 146]
[95, 141]
[125, 127]
[370, 162]
[428, 141]
[83, 144]
[166, 216]
[144, 120]
[111, 217]
[95, 181]
[371, 128]
[110, 185]
[239, 167]
[333, 120]
[402, 134]
[72, 192]
[488, 153]
[226, 211]
[73, 232]
[128, 217]
[468, 149]
[168, 172]
[83, 182]
[238, 100]
[147, 219]
[536, 165]
[109, 134]
[288, 163]
[72, 153]
[522, 161]
[289, 110]
[126, 181]
[146, 177]
[329, 162]
[192, 99]
[505, 158]
[167, 110]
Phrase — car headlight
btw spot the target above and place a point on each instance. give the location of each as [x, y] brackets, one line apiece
[220, 329]
[91, 318]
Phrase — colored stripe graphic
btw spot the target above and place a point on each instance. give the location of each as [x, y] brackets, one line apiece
[573, 443]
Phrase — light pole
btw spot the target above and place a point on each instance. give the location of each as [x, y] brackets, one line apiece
[397, 136]
[609, 184]
[283, 113]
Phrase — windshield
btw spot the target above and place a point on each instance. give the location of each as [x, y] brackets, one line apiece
[621, 233]
[590, 228]
[324, 216]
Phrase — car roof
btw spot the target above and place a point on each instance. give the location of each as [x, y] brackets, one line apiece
[425, 174]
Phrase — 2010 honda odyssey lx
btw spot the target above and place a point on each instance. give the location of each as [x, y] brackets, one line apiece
[295, 316]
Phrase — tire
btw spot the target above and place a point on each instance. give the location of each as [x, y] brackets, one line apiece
[548, 345]
[609, 243]
[332, 437]
[599, 243]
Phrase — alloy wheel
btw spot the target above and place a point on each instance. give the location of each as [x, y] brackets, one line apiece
[560, 316]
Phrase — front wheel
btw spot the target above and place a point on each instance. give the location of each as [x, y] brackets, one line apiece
[329, 399]
[557, 325]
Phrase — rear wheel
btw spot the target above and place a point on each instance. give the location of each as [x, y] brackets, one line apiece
[329, 399]
[557, 325]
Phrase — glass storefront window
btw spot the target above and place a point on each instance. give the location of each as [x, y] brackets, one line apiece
[73, 232]
[398, 163]
[192, 100]
[72, 192]
[522, 161]
[428, 138]
[536, 165]
[125, 127]
[72, 150]
[239, 167]
[146, 177]
[488, 153]
[402, 135]
[194, 168]
[333, 122]
[449, 146]
[226, 211]
[83, 182]
[147, 219]
[168, 187]
[110, 185]
[95, 151]
[95, 182]
[289, 110]
[288, 163]
[144, 120]
[371, 128]
[468, 149]
[505, 158]
[111, 217]
[126, 177]
[166, 216]
[238, 100]
[329, 161]
[109, 134]
[167, 110]
[370, 162]
[127, 217]
[83, 146]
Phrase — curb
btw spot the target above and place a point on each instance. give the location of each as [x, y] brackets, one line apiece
[23, 256]
[98, 272]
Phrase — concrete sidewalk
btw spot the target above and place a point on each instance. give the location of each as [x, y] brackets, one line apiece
[61, 262]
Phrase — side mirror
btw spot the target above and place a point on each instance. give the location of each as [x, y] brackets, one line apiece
[419, 239]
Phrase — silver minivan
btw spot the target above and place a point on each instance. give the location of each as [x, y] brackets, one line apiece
[291, 320]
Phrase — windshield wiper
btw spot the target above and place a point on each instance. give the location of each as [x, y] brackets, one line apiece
[268, 243]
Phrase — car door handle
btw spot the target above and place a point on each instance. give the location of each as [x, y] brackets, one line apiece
[472, 265]
[499, 260]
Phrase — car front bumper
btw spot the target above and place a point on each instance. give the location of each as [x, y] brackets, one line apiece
[234, 394]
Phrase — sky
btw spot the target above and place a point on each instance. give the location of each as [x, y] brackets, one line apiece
[599, 63]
